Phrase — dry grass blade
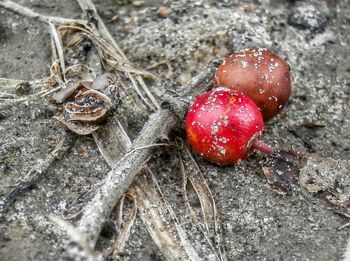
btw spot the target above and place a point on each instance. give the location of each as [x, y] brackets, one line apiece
[118, 212]
[37, 86]
[203, 192]
[184, 176]
[192, 172]
[124, 232]
[58, 48]
[111, 59]
[160, 219]
[22, 10]
[88, 5]
[113, 142]
[194, 217]
[344, 226]
[190, 251]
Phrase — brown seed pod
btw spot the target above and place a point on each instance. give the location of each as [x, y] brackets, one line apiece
[87, 105]
[77, 127]
[69, 92]
[260, 74]
[85, 113]
[90, 107]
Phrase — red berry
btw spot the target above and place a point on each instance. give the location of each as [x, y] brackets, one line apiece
[260, 74]
[223, 125]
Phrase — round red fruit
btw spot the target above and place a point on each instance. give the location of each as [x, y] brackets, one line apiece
[260, 74]
[222, 125]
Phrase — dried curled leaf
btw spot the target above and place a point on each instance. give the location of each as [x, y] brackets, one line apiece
[69, 92]
[100, 84]
[77, 127]
[282, 170]
[328, 177]
[88, 105]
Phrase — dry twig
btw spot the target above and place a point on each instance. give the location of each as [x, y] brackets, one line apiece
[9, 5]
[159, 125]
[120, 177]
[113, 141]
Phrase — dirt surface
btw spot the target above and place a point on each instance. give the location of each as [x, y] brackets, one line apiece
[257, 222]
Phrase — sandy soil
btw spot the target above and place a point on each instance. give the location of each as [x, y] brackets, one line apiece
[257, 222]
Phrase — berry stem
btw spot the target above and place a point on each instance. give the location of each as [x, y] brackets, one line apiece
[259, 145]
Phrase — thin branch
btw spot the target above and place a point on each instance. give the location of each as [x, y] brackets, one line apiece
[179, 102]
[57, 46]
[157, 215]
[87, 5]
[78, 241]
[25, 11]
[121, 176]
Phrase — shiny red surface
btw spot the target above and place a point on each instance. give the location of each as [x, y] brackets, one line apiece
[221, 123]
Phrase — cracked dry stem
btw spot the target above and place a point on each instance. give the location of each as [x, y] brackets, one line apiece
[122, 174]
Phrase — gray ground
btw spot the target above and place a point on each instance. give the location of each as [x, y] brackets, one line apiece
[258, 223]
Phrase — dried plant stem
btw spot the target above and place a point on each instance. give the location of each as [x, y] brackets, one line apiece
[157, 215]
[212, 230]
[88, 5]
[346, 224]
[124, 231]
[9, 85]
[122, 174]
[25, 11]
[160, 219]
[78, 244]
[57, 48]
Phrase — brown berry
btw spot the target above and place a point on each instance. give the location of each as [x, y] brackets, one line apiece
[261, 75]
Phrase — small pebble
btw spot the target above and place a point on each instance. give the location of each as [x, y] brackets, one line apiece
[49, 194]
[138, 3]
[163, 11]
[308, 15]
[23, 88]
